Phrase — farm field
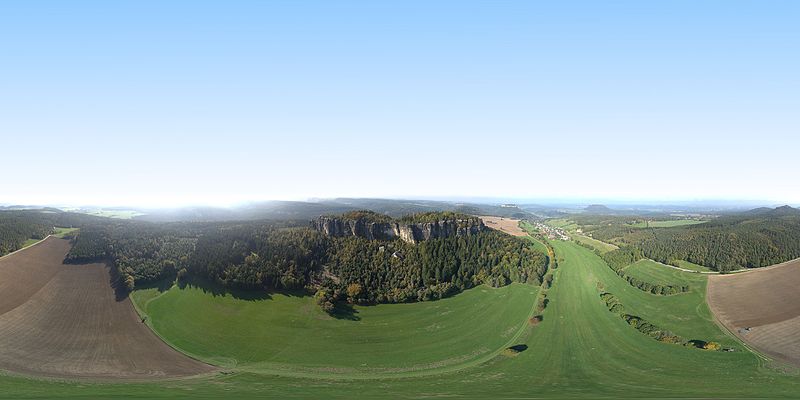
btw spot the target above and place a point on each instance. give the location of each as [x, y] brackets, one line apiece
[82, 327]
[507, 225]
[580, 350]
[762, 307]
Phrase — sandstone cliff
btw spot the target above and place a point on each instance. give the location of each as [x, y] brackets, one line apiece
[412, 232]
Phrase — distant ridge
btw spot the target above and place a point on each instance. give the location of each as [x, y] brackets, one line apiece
[598, 209]
[781, 211]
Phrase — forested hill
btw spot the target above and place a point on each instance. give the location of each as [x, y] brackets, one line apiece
[752, 239]
[263, 256]
[17, 226]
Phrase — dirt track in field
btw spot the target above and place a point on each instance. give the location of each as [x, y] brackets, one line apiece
[766, 301]
[507, 225]
[67, 321]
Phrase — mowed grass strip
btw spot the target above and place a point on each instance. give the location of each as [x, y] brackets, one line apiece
[653, 272]
[290, 331]
[693, 266]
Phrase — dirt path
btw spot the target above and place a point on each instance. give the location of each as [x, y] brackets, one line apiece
[67, 321]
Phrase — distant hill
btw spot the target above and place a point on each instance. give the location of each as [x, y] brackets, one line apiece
[307, 210]
[599, 209]
[781, 211]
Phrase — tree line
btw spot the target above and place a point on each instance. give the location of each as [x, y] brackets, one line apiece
[265, 255]
[17, 226]
[747, 240]
[622, 257]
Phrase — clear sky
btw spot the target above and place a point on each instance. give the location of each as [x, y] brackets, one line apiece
[199, 102]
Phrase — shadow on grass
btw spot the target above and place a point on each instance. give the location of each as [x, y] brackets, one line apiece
[162, 285]
[519, 348]
[700, 344]
[345, 311]
[215, 289]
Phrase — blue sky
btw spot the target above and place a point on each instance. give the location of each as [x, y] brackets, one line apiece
[169, 103]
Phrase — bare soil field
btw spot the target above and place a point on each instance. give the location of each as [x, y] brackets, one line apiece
[762, 307]
[68, 321]
[507, 225]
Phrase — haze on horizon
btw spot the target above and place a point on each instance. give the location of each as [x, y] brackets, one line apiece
[162, 104]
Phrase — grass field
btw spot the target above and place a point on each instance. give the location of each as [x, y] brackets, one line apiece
[289, 334]
[30, 242]
[580, 350]
[693, 267]
[667, 224]
[563, 223]
[651, 271]
[603, 247]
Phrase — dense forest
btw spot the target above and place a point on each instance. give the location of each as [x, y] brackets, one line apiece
[748, 240]
[17, 226]
[397, 271]
[269, 255]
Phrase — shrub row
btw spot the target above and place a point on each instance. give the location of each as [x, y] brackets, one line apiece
[662, 335]
[624, 256]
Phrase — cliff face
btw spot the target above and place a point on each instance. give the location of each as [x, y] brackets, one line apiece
[408, 232]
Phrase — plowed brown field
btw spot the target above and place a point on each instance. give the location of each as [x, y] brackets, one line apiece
[507, 225]
[767, 301]
[68, 321]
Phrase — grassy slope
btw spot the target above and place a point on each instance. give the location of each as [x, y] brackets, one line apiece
[563, 223]
[580, 350]
[603, 247]
[290, 333]
[685, 314]
[651, 271]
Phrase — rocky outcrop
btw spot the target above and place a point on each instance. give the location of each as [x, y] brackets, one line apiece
[408, 232]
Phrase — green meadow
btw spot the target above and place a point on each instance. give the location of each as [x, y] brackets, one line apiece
[602, 247]
[281, 346]
[290, 335]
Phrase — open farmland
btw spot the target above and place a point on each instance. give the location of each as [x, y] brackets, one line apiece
[507, 225]
[762, 307]
[62, 320]
[580, 350]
